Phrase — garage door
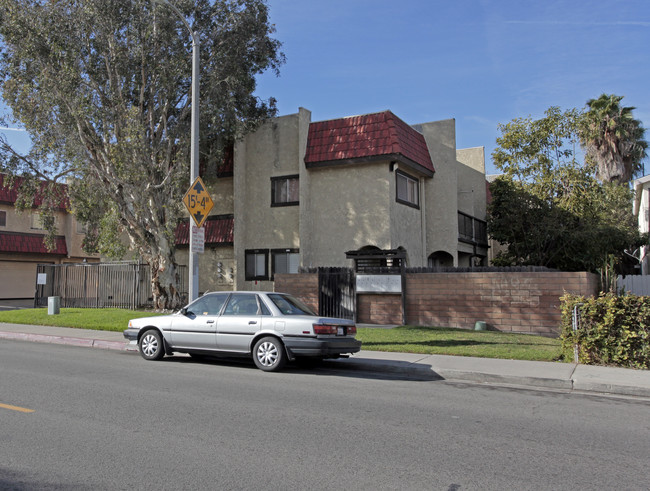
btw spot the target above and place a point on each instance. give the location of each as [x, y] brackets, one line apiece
[17, 279]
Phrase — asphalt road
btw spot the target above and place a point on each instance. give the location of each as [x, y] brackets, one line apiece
[110, 420]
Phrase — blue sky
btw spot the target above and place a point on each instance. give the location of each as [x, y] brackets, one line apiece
[480, 62]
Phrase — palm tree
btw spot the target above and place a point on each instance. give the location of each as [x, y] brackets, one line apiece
[612, 139]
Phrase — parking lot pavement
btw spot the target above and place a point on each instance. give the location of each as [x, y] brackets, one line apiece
[16, 304]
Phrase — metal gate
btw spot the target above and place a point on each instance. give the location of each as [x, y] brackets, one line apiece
[336, 293]
[125, 285]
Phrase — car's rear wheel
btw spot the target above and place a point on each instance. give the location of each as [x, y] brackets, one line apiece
[269, 354]
[151, 345]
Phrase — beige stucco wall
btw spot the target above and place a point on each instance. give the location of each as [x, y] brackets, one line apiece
[217, 267]
[354, 204]
[471, 182]
[221, 192]
[441, 196]
[271, 151]
[408, 224]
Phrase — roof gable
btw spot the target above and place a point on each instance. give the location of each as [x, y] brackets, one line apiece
[360, 138]
[9, 194]
[16, 242]
[218, 230]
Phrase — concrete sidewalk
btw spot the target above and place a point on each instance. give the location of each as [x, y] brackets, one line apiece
[565, 376]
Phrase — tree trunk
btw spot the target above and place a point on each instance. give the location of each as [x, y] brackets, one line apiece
[164, 282]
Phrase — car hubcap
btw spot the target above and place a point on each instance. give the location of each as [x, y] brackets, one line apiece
[267, 354]
[149, 345]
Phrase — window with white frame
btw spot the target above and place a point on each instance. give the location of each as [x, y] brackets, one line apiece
[285, 261]
[408, 189]
[257, 264]
[36, 221]
[81, 227]
[285, 191]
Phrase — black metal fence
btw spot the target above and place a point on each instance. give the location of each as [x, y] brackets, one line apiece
[336, 292]
[124, 285]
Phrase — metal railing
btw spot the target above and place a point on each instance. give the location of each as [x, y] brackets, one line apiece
[124, 285]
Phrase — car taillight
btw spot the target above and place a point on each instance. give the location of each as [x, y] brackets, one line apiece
[334, 330]
[324, 329]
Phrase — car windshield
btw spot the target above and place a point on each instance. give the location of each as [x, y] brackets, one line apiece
[289, 305]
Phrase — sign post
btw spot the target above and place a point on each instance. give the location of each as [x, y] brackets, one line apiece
[198, 202]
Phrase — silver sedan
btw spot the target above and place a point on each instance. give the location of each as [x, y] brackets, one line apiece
[271, 327]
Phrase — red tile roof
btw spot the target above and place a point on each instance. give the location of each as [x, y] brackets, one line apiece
[8, 194]
[218, 230]
[367, 136]
[17, 242]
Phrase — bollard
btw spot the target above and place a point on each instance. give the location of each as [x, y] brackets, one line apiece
[53, 305]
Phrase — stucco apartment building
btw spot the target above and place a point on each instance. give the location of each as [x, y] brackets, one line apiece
[298, 193]
[302, 194]
[22, 246]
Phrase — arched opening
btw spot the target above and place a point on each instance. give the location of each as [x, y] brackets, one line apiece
[440, 259]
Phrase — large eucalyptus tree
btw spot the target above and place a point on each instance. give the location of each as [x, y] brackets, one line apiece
[104, 90]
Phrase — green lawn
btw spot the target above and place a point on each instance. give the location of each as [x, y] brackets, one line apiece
[97, 319]
[406, 339]
[461, 342]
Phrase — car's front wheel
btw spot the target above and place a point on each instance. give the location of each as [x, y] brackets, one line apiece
[269, 354]
[151, 345]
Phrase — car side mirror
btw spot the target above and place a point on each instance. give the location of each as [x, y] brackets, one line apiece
[183, 311]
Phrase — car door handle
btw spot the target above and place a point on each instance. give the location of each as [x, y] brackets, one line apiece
[252, 322]
[211, 321]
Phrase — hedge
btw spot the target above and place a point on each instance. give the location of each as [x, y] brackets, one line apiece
[613, 330]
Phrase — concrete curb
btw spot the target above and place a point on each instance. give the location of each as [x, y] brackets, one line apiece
[72, 341]
[547, 375]
[427, 372]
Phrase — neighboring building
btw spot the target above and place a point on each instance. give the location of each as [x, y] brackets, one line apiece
[22, 246]
[302, 194]
[642, 211]
[495, 247]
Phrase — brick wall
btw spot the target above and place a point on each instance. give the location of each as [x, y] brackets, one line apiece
[514, 302]
[303, 286]
[379, 309]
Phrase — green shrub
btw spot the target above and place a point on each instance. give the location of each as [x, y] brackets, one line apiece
[613, 330]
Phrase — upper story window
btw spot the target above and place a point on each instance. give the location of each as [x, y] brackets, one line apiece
[408, 189]
[81, 228]
[36, 221]
[472, 229]
[284, 191]
[3, 218]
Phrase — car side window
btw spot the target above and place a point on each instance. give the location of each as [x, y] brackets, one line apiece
[242, 304]
[208, 304]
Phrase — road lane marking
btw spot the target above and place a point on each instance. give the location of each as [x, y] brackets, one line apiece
[16, 408]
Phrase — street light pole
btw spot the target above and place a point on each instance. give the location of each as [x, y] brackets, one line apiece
[194, 153]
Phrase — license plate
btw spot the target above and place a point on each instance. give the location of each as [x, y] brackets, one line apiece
[340, 332]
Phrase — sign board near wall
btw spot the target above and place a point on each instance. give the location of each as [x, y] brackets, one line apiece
[379, 283]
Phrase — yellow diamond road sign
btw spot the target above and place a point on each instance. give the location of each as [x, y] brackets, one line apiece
[198, 202]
